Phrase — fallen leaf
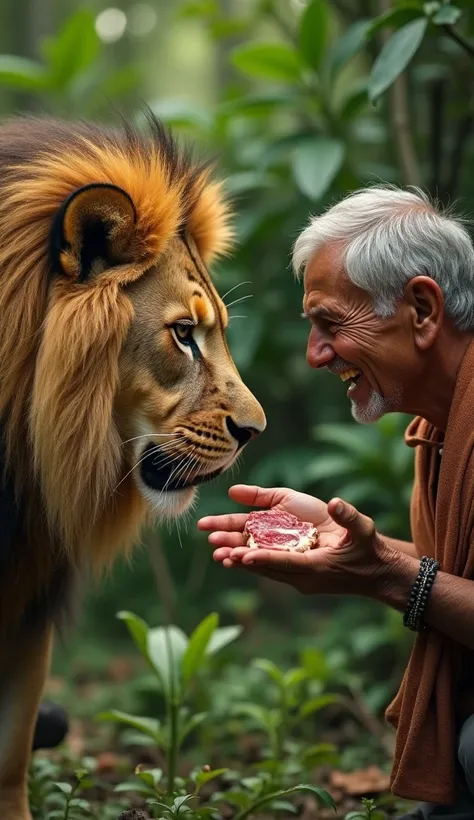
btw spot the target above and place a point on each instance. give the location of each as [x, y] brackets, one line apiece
[361, 782]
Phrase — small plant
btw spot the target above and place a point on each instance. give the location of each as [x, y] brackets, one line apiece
[292, 706]
[369, 813]
[175, 661]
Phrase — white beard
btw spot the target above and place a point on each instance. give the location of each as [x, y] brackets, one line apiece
[376, 407]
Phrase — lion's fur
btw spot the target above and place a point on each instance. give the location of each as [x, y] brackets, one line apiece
[59, 345]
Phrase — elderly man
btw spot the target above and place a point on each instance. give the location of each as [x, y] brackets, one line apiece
[389, 297]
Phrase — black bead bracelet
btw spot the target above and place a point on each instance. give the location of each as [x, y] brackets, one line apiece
[413, 617]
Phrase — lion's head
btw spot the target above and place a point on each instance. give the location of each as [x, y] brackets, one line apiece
[117, 389]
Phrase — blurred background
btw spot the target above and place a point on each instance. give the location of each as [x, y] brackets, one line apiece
[296, 104]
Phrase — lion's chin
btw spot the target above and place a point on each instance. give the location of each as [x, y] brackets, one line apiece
[167, 505]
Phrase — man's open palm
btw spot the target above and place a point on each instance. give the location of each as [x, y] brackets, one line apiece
[227, 530]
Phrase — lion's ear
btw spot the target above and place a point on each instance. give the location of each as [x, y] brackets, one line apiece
[93, 231]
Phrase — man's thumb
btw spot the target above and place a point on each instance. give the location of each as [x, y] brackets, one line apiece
[356, 524]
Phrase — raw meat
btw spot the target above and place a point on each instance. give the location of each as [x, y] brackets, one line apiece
[274, 529]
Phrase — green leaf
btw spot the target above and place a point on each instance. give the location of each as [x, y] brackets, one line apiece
[73, 50]
[329, 466]
[193, 722]
[324, 798]
[148, 726]
[166, 646]
[269, 61]
[313, 32]
[350, 438]
[21, 73]
[319, 755]
[195, 653]
[315, 163]
[222, 637]
[65, 788]
[178, 113]
[447, 16]
[348, 45]
[316, 704]
[295, 676]
[395, 18]
[204, 777]
[396, 54]
[271, 669]
[256, 104]
[353, 103]
[138, 629]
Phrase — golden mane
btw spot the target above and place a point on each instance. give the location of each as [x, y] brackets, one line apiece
[59, 344]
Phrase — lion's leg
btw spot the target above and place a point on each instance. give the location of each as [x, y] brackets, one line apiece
[23, 671]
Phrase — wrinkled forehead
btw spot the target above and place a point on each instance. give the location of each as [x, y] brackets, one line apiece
[324, 276]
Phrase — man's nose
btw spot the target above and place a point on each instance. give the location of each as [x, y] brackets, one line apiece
[318, 352]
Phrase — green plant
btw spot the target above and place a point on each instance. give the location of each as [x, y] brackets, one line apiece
[370, 812]
[290, 707]
[73, 75]
[175, 660]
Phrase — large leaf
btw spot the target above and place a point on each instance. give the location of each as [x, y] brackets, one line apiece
[269, 61]
[148, 726]
[395, 18]
[323, 797]
[329, 466]
[195, 653]
[348, 45]
[271, 669]
[396, 54]
[21, 73]
[74, 49]
[166, 646]
[447, 16]
[309, 707]
[223, 637]
[180, 113]
[313, 32]
[138, 629]
[315, 163]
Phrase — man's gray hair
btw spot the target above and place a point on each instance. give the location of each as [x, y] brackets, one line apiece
[389, 236]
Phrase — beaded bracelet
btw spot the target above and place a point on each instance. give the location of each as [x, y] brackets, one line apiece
[413, 617]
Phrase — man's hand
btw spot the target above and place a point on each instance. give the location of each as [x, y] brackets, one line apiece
[351, 557]
[227, 530]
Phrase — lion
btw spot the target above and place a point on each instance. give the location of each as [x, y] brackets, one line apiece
[118, 392]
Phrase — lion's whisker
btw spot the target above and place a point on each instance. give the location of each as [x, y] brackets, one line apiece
[234, 288]
[236, 301]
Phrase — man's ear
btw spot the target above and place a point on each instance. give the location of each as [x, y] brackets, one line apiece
[426, 300]
[93, 231]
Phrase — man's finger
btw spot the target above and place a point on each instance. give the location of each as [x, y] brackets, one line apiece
[254, 496]
[275, 559]
[233, 522]
[356, 524]
[226, 539]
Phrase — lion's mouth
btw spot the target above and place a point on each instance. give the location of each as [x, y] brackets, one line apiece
[159, 472]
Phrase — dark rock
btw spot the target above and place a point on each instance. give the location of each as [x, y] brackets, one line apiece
[51, 726]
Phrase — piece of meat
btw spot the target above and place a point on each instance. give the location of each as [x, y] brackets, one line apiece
[274, 529]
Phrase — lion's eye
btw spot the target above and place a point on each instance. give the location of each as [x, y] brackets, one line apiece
[184, 335]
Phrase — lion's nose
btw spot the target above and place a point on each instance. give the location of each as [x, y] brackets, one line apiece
[241, 434]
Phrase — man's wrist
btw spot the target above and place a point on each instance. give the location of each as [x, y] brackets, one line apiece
[394, 581]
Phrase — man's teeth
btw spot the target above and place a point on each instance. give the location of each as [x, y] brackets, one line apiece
[349, 374]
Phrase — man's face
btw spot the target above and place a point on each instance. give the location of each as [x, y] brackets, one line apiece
[377, 358]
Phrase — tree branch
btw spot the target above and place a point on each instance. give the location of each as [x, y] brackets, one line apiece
[460, 40]
[437, 98]
[399, 116]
